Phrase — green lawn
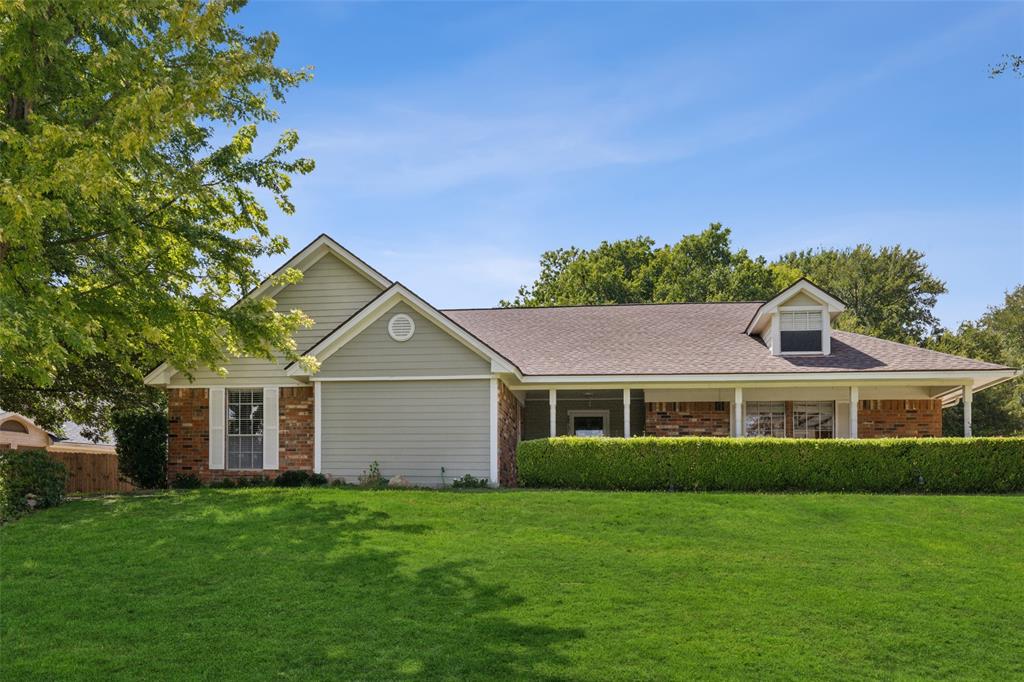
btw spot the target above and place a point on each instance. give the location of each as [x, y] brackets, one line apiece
[348, 584]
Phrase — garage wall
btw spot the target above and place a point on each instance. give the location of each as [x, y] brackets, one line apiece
[412, 428]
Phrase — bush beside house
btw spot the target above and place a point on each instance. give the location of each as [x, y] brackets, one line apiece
[928, 465]
[29, 479]
[142, 447]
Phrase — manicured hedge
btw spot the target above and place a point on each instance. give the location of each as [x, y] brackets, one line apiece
[930, 465]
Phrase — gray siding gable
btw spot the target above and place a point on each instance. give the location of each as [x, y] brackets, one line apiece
[430, 352]
[330, 292]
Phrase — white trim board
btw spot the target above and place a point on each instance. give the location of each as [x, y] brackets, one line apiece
[493, 432]
[938, 377]
[439, 377]
[802, 285]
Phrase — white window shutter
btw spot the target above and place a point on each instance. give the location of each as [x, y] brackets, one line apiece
[270, 427]
[216, 428]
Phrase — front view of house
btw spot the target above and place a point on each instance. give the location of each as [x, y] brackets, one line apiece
[436, 394]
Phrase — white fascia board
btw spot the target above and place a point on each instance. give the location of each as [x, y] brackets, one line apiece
[310, 256]
[833, 304]
[161, 376]
[398, 293]
[981, 378]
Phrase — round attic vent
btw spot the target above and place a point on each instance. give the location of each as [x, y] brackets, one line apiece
[401, 327]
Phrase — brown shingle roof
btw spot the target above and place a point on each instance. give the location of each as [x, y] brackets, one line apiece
[676, 338]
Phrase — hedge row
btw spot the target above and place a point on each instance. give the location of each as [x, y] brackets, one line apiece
[928, 465]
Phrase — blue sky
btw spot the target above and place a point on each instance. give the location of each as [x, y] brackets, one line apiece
[456, 142]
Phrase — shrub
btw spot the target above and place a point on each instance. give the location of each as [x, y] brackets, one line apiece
[469, 481]
[142, 447]
[224, 483]
[931, 465]
[186, 482]
[254, 482]
[317, 480]
[29, 472]
[292, 479]
[372, 477]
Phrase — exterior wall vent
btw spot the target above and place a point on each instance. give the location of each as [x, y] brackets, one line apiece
[401, 327]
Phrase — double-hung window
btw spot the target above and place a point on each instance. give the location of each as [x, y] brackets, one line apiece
[245, 428]
[766, 418]
[813, 419]
[800, 331]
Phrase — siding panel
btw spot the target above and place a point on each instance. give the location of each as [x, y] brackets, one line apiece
[329, 292]
[410, 428]
[430, 352]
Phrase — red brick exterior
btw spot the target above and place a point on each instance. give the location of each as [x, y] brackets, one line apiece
[510, 422]
[296, 434]
[687, 419]
[188, 443]
[188, 449]
[899, 419]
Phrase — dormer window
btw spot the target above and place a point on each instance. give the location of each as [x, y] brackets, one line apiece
[797, 320]
[800, 331]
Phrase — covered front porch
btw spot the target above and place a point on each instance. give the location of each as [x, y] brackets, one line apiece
[862, 410]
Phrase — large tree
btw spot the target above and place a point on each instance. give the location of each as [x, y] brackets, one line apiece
[129, 215]
[888, 293]
[997, 336]
[699, 267]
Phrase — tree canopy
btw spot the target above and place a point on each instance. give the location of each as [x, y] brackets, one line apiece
[889, 292]
[997, 336]
[699, 267]
[129, 210]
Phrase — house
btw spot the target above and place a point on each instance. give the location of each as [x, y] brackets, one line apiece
[91, 464]
[18, 432]
[435, 394]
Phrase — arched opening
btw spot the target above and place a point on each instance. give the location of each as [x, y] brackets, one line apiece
[14, 426]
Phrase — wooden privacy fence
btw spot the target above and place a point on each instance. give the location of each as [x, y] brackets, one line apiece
[92, 472]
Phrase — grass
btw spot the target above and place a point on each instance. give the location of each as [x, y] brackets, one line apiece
[345, 584]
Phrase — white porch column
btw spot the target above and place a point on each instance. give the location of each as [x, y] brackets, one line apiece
[854, 402]
[968, 397]
[552, 405]
[737, 420]
[625, 413]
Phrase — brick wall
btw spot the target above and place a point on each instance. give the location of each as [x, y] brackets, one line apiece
[899, 418]
[188, 448]
[188, 443]
[687, 419]
[510, 421]
[296, 434]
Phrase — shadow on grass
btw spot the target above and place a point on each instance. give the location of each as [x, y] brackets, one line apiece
[272, 584]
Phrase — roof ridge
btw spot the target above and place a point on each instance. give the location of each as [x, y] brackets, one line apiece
[604, 305]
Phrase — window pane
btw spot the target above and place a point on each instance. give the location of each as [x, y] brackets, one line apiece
[800, 341]
[765, 419]
[813, 419]
[244, 428]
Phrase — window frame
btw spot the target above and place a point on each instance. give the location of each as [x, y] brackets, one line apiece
[747, 414]
[823, 328]
[606, 422]
[256, 440]
[804, 432]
